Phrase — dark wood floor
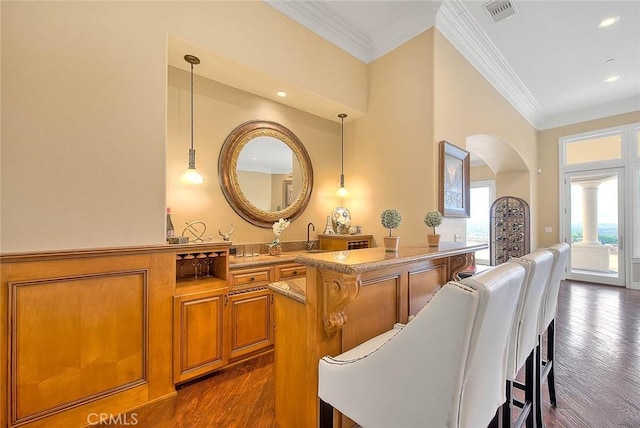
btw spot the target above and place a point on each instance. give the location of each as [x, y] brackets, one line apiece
[597, 373]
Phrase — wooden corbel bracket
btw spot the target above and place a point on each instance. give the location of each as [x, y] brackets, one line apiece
[337, 291]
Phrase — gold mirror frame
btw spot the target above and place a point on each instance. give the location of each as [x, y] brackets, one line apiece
[228, 177]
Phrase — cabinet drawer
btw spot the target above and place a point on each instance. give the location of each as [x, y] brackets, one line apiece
[291, 271]
[251, 277]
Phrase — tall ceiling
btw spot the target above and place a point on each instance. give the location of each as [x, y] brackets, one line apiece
[549, 59]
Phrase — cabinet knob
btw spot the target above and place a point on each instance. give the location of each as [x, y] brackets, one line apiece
[295, 272]
[252, 279]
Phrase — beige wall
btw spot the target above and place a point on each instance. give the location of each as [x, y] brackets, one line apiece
[84, 91]
[94, 139]
[548, 163]
[467, 105]
[480, 173]
[218, 110]
[389, 154]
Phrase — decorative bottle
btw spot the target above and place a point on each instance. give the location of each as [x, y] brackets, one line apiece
[170, 230]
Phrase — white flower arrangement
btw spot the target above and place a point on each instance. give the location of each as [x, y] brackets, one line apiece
[279, 227]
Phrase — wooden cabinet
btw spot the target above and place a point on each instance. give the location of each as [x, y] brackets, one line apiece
[251, 322]
[251, 311]
[344, 242]
[200, 304]
[198, 334]
[251, 325]
[222, 315]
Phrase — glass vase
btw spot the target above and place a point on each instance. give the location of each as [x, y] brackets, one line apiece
[275, 250]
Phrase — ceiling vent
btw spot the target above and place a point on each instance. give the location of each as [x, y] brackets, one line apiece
[499, 9]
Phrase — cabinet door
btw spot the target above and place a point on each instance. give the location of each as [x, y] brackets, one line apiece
[251, 322]
[198, 345]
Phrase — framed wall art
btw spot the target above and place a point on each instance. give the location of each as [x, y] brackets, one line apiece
[287, 192]
[453, 194]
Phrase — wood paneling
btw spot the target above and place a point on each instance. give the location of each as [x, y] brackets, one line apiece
[76, 339]
[423, 284]
[373, 312]
[91, 333]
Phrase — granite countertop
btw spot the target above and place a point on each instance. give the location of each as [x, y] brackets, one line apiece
[263, 259]
[351, 262]
[369, 259]
[295, 289]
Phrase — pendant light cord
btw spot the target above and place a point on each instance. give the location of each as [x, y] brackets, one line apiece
[193, 60]
[191, 106]
[342, 116]
[342, 155]
[191, 176]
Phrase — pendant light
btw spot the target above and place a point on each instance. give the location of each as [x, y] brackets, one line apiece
[191, 176]
[342, 192]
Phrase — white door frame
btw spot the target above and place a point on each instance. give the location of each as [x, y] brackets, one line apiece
[584, 275]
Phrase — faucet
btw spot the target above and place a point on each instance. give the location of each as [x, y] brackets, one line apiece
[309, 243]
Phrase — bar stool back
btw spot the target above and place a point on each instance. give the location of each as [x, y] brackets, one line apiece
[524, 337]
[548, 312]
[444, 368]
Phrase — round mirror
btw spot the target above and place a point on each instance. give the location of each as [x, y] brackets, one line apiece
[265, 173]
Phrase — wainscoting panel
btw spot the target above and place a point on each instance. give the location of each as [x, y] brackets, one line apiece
[85, 333]
[423, 284]
[374, 311]
[76, 339]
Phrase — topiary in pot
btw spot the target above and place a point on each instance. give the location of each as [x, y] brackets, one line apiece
[391, 219]
[433, 219]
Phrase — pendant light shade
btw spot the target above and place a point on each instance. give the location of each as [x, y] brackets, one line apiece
[342, 191]
[191, 175]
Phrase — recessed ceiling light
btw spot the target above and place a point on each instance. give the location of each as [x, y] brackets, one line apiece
[607, 22]
[611, 79]
[281, 94]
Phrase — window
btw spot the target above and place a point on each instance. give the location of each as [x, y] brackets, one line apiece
[482, 195]
[594, 149]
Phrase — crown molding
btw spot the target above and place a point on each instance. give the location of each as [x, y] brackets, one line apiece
[387, 39]
[320, 18]
[611, 108]
[456, 23]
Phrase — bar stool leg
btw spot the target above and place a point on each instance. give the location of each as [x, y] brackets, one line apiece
[529, 392]
[506, 407]
[551, 345]
[495, 422]
[326, 415]
[538, 389]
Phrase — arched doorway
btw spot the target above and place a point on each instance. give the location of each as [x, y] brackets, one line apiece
[497, 169]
